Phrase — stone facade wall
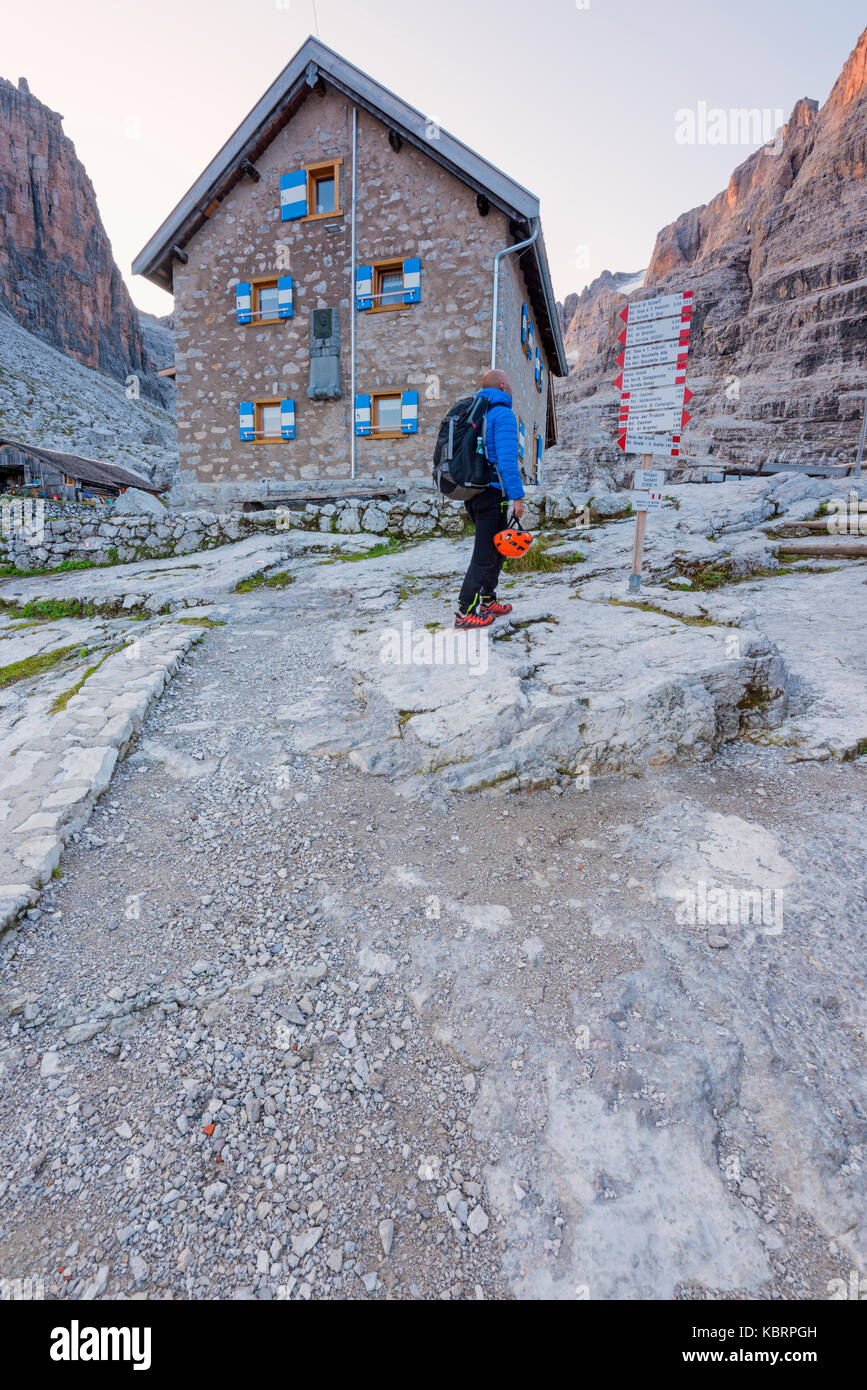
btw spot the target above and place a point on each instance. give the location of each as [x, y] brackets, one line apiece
[530, 404]
[407, 206]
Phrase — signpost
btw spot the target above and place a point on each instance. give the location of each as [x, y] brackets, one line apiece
[653, 398]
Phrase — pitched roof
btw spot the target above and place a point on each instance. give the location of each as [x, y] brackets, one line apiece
[313, 64]
[84, 469]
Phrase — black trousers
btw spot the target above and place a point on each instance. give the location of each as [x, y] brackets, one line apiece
[488, 512]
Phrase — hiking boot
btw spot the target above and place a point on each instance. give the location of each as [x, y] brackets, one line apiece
[494, 609]
[473, 620]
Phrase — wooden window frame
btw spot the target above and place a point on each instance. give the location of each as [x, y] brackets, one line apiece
[375, 398]
[377, 270]
[536, 438]
[314, 172]
[257, 421]
[256, 284]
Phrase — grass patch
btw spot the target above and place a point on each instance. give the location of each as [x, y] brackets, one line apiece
[662, 613]
[393, 546]
[202, 622]
[707, 578]
[540, 559]
[32, 666]
[408, 589]
[264, 581]
[47, 609]
[12, 572]
[754, 699]
[62, 701]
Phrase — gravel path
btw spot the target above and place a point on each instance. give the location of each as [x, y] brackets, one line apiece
[282, 1032]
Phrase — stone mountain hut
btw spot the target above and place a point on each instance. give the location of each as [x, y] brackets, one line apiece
[336, 271]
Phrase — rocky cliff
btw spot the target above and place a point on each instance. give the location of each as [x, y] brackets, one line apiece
[586, 317]
[49, 398]
[58, 277]
[778, 266]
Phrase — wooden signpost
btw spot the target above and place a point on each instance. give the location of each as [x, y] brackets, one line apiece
[653, 396]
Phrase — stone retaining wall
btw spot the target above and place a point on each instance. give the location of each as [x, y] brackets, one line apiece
[75, 535]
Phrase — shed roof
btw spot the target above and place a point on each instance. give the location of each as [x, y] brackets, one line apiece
[85, 470]
[313, 64]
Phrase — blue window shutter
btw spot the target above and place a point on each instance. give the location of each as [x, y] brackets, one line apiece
[539, 368]
[244, 302]
[364, 287]
[524, 322]
[293, 195]
[287, 419]
[362, 414]
[522, 435]
[247, 420]
[530, 343]
[538, 451]
[409, 412]
[284, 297]
[412, 281]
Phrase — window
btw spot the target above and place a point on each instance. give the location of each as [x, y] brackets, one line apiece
[386, 414]
[267, 420]
[265, 302]
[266, 299]
[311, 192]
[388, 284]
[324, 193]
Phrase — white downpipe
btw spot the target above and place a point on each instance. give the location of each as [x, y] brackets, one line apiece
[507, 251]
[352, 311]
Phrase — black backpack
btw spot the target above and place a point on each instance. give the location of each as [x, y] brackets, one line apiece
[461, 469]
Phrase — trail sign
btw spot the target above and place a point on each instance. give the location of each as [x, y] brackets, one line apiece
[660, 331]
[647, 501]
[648, 480]
[664, 306]
[674, 418]
[668, 374]
[661, 399]
[633, 442]
[652, 354]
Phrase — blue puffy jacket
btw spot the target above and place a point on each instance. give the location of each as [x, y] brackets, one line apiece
[502, 442]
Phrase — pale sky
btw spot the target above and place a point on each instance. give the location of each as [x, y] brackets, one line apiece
[576, 100]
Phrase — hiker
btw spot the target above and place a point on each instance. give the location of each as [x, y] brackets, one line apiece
[489, 511]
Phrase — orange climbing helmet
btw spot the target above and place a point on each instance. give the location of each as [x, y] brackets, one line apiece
[514, 541]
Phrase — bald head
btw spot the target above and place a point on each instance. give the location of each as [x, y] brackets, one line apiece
[495, 380]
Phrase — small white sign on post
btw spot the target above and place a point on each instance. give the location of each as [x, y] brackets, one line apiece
[648, 480]
[647, 490]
